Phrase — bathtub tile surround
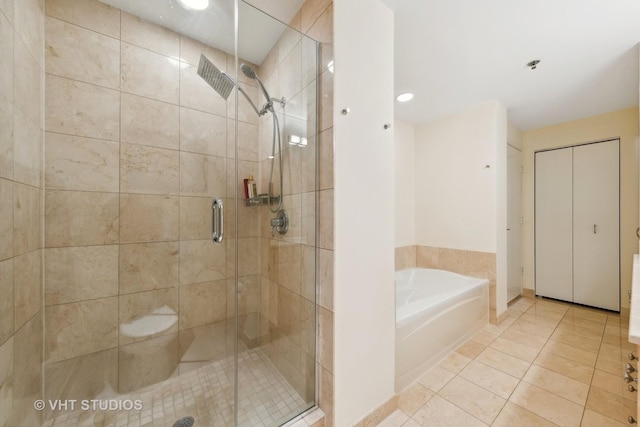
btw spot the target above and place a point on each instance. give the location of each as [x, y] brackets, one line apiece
[549, 363]
[21, 192]
[468, 263]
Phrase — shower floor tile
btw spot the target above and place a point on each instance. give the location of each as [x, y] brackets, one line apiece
[206, 394]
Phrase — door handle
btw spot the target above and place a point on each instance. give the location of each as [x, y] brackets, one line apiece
[594, 229]
[217, 221]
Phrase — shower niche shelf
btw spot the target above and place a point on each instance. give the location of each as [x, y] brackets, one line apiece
[261, 200]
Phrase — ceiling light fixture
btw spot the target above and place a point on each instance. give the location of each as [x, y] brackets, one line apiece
[194, 4]
[404, 97]
[533, 64]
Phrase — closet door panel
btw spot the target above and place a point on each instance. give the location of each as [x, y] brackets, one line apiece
[596, 213]
[553, 224]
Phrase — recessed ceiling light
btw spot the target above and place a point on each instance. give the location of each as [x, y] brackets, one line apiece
[404, 97]
[195, 4]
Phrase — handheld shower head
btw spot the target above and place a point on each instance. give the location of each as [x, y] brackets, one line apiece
[248, 71]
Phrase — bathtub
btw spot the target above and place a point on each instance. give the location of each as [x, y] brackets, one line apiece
[436, 311]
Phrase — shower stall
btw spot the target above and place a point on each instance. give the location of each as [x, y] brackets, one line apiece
[167, 296]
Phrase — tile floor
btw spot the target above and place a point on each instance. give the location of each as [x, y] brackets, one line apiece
[206, 394]
[549, 363]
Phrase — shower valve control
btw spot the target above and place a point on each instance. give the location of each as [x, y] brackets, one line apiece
[628, 378]
[629, 369]
[280, 223]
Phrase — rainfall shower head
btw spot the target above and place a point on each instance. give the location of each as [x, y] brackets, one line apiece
[218, 80]
[248, 71]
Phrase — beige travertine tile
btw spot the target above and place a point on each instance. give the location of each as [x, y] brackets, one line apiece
[80, 273]
[427, 257]
[290, 74]
[508, 364]
[540, 330]
[147, 362]
[195, 218]
[382, 413]
[27, 150]
[203, 133]
[149, 170]
[28, 21]
[134, 306]
[146, 121]
[202, 175]
[524, 338]
[455, 362]
[325, 393]
[150, 74]
[514, 415]
[325, 280]
[452, 260]
[547, 405]
[6, 302]
[80, 328]
[325, 160]
[591, 344]
[325, 120]
[558, 384]
[322, 31]
[436, 378]
[612, 384]
[594, 419]
[565, 367]
[471, 349]
[246, 113]
[311, 11]
[192, 89]
[81, 109]
[202, 303]
[83, 164]
[325, 338]
[414, 398]
[247, 141]
[27, 82]
[6, 380]
[27, 371]
[75, 218]
[6, 53]
[484, 338]
[83, 377]
[611, 351]
[150, 36]
[439, 412]
[405, 257]
[526, 353]
[148, 266]
[610, 405]
[490, 378]
[540, 320]
[569, 352]
[27, 276]
[91, 14]
[202, 261]
[325, 221]
[6, 218]
[6, 138]
[148, 218]
[480, 264]
[191, 49]
[610, 365]
[479, 402]
[81, 54]
[26, 219]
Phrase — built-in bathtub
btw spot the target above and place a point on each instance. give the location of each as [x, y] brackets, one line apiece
[436, 311]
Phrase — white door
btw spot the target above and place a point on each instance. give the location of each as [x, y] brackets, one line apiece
[596, 213]
[514, 228]
[553, 224]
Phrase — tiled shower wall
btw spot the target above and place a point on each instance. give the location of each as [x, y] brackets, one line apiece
[137, 145]
[289, 304]
[21, 187]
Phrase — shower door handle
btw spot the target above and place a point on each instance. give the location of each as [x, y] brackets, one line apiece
[217, 221]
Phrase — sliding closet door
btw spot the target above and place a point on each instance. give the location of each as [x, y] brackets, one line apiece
[554, 236]
[596, 213]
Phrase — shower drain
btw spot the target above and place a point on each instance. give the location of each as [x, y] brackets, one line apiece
[184, 422]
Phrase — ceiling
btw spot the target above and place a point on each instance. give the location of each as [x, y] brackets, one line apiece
[455, 54]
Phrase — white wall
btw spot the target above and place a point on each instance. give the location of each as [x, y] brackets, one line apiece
[456, 194]
[364, 294]
[404, 176]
